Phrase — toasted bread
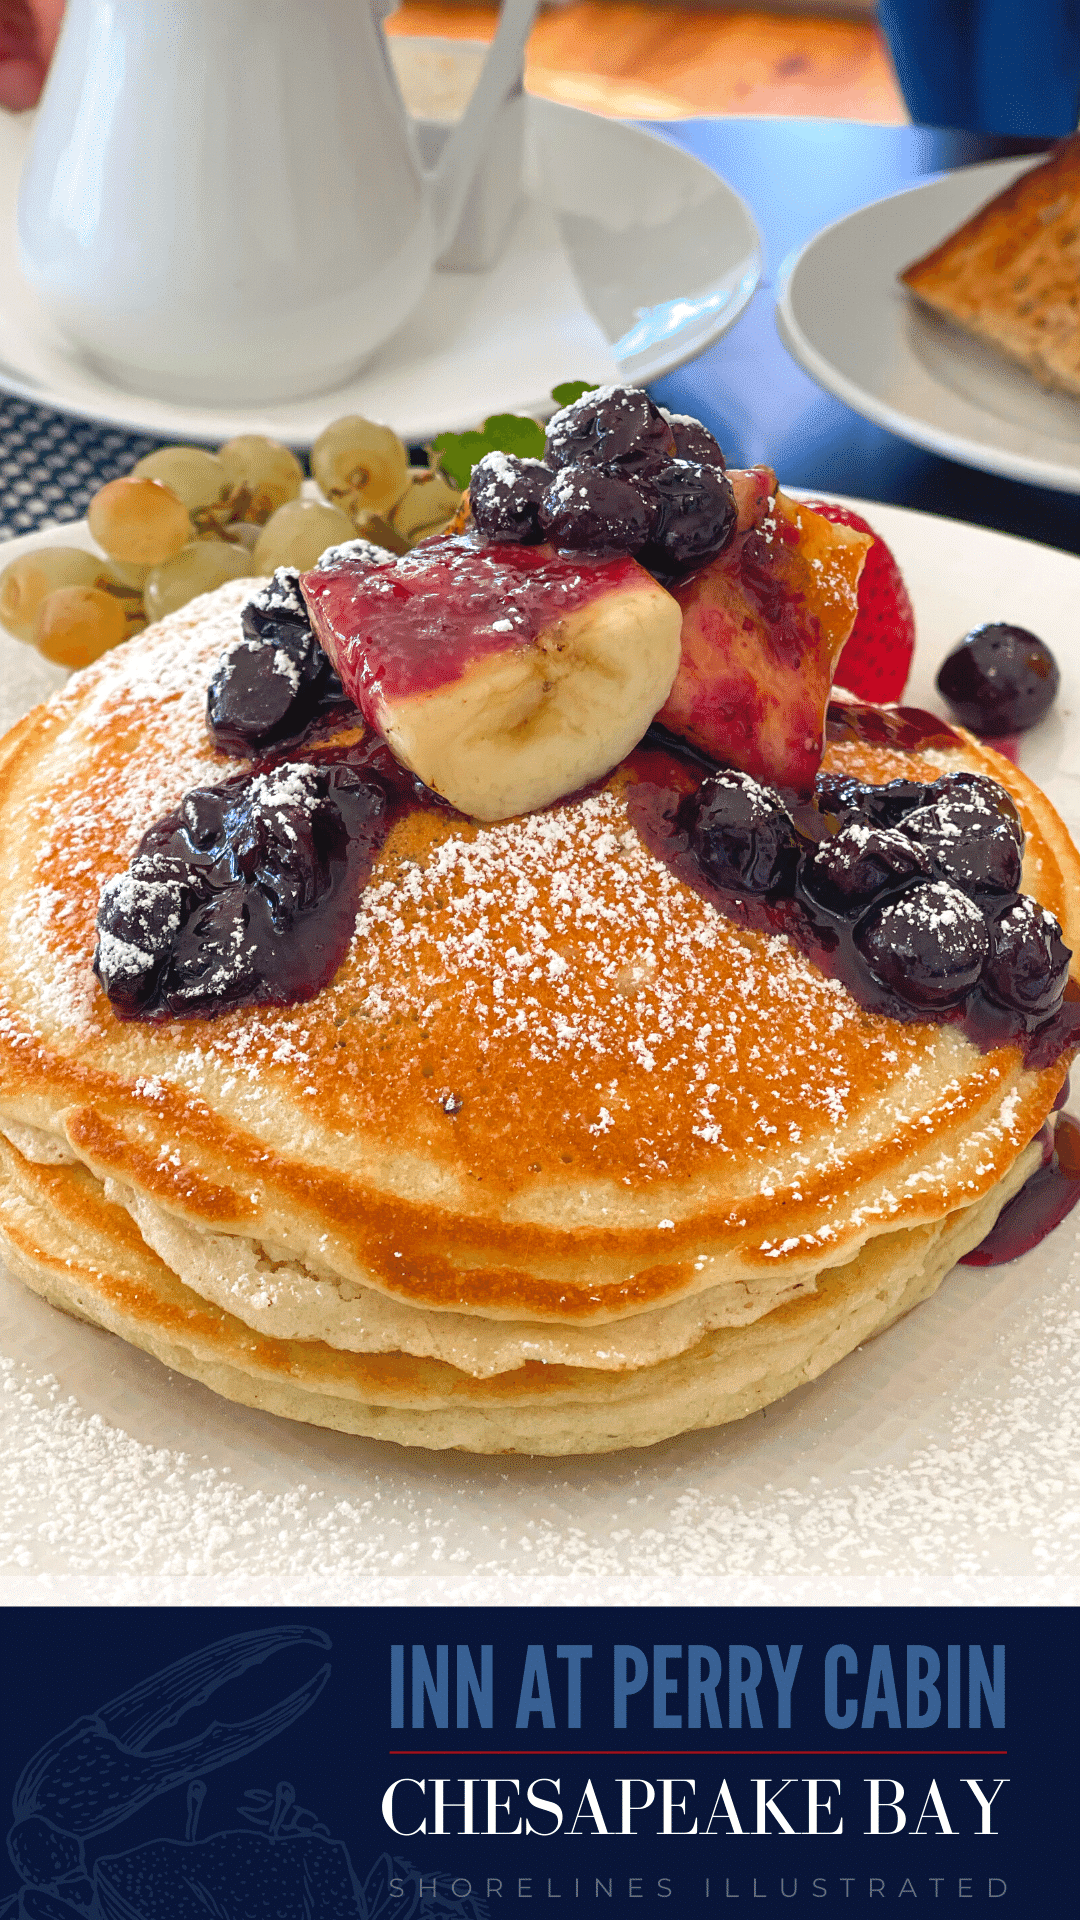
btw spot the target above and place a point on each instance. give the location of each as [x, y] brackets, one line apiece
[1011, 274]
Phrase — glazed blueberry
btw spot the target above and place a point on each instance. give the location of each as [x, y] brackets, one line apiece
[860, 861]
[970, 843]
[612, 426]
[138, 919]
[882, 806]
[741, 832]
[589, 509]
[697, 519]
[277, 614]
[693, 441]
[977, 789]
[237, 893]
[929, 946]
[274, 841]
[269, 685]
[1000, 679]
[505, 495]
[1029, 961]
[202, 815]
[215, 957]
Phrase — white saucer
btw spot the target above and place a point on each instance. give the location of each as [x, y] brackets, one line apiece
[845, 317]
[931, 1466]
[629, 257]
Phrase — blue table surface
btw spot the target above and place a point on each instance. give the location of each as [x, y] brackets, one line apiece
[797, 176]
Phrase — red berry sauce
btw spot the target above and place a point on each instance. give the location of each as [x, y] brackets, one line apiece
[422, 619]
[1042, 1202]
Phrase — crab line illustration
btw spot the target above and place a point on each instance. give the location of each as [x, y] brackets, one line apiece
[283, 1865]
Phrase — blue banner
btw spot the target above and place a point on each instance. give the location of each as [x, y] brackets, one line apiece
[406, 1763]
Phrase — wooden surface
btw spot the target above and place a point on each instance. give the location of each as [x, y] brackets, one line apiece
[659, 62]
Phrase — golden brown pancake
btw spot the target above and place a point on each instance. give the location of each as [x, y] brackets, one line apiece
[562, 1159]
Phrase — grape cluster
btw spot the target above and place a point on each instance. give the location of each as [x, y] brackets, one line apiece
[185, 520]
[230, 897]
[922, 878]
[618, 476]
[272, 683]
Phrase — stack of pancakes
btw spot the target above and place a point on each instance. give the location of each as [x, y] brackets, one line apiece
[561, 1160]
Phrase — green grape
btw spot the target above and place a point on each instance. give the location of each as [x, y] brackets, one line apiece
[245, 534]
[139, 520]
[298, 533]
[262, 475]
[197, 568]
[360, 466]
[197, 477]
[27, 581]
[76, 624]
[129, 574]
[427, 506]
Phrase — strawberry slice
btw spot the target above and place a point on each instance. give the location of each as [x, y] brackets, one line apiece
[876, 660]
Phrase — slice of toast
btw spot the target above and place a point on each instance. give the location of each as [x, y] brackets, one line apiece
[1011, 274]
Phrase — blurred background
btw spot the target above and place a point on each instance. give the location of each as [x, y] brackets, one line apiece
[649, 59]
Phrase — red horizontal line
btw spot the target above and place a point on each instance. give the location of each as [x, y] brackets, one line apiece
[692, 1753]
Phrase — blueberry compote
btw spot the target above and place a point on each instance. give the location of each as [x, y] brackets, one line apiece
[618, 476]
[247, 892]
[272, 684]
[1042, 1203]
[907, 892]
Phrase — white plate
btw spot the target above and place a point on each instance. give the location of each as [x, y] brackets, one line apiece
[629, 257]
[939, 1463]
[846, 318]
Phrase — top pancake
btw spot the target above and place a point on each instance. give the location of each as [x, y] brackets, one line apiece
[549, 1081]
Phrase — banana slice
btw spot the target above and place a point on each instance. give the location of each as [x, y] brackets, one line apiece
[504, 676]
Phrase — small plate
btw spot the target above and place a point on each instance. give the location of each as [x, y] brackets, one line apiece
[844, 316]
[629, 256]
[933, 1465]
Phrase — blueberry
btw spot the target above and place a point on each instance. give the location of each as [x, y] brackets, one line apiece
[505, 495]
[977, 789]
[612, 426]
[970, 843]
[277, 612]
[1029, 961]
[268, 686]
[137, 921]
[698, 516]
[741, 832]
[929, 946]
[202, 814]
[252, 696]
[882, 806]
[693, 441]
[215, 958]
[272, 827]
[861, 861]
[589, 509]
[1000, 679]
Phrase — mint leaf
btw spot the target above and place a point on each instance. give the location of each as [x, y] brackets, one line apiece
[568, 391]
[501, 433]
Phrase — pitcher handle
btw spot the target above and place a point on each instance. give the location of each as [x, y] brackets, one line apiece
[453, 174]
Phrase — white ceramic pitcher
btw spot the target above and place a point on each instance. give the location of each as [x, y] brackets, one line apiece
[223, 200]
